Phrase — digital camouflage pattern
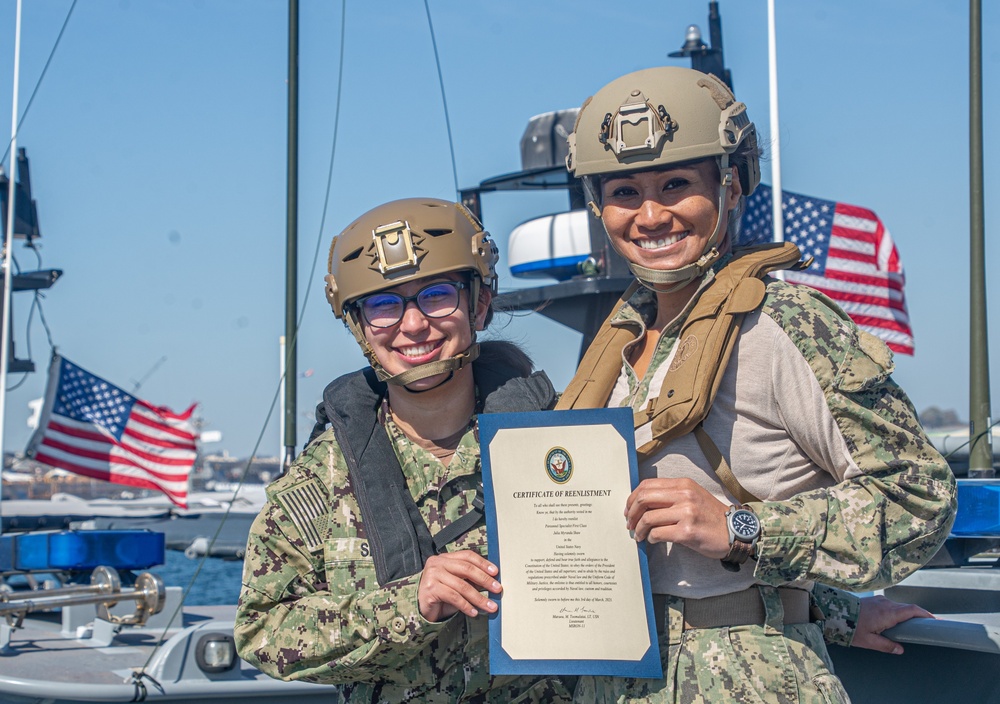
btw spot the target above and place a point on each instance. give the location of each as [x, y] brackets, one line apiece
[312, 610]
[874, 530]
[733, 664]
[864, 533]
[839, 608]
[838, 613]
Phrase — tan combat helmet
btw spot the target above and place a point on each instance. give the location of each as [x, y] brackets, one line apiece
[402, 241]
[662, 116]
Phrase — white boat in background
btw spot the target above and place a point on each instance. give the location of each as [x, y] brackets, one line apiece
[215, 523]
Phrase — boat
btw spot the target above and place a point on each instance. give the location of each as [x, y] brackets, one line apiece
[224, 516]
[97, 629]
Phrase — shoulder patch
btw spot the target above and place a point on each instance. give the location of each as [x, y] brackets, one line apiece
[821, 331]
[869, 364]
[307, 508]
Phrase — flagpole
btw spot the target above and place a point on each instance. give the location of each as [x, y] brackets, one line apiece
[290, 356]
[980, 416]
[8, 243]
[772, 72]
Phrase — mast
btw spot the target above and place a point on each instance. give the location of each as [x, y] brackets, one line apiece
[9, 240]
[291, 239]
[980, 418]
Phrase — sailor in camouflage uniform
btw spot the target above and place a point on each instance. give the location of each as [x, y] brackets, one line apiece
[808, 466]
[367, 566]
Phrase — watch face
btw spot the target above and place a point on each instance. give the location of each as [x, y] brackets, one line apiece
[745, 524]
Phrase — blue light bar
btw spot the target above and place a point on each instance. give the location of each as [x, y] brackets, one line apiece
[559, 268]
[82, 550]
[978, 509]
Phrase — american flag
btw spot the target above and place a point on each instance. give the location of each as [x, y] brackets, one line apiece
[91, 427]
[856, 263]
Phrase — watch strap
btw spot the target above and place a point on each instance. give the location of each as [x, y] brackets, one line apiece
[739, 550]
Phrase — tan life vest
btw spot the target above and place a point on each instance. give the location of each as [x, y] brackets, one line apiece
[704, 345]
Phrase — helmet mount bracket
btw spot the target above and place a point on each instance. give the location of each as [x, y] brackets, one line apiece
[394, 247]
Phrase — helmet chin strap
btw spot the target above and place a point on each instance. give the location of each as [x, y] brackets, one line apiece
[440, 366]
[667, 281]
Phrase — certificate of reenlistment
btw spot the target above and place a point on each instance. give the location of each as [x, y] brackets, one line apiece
[576, 596]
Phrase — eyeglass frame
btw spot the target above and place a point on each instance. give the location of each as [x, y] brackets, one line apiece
[415, 298]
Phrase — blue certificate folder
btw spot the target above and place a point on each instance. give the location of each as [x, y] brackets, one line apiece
[559, 461]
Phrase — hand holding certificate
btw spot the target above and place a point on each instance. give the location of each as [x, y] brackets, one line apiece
[576, 596]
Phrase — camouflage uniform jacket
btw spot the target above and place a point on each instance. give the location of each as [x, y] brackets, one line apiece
[861, 504]
[312, 608]
[853, 496]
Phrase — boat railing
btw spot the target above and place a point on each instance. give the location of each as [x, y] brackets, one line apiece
[105, 591]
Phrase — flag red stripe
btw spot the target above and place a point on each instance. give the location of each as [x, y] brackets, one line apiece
[177, 497]
[97, 437]
[855, 211]
[861, 298]
[852, 256]
[881, 323]
[100, 437]
[166, 412]
[106, 456]
[160, 426]
[888, 281]
[78, 432]
[167, 444]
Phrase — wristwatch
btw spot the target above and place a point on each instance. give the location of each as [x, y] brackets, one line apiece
[744, 529]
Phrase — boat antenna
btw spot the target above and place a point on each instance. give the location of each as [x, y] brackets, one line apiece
[980, 420]
[444, 100]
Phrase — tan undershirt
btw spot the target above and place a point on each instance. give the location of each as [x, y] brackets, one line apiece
[771, 421]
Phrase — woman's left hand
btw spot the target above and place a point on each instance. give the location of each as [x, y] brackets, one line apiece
[678, 511]
[879, 613]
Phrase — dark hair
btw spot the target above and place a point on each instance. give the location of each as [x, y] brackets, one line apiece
[492, 307]
[500, 353]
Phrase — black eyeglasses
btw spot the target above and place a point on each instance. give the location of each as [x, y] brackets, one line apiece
[438, 300]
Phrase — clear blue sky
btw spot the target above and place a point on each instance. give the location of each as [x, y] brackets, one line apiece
[157, 148]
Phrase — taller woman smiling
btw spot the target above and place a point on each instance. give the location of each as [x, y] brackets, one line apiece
[776, 449]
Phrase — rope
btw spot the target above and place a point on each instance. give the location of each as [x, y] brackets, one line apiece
[38, 84]
[444, 100]
[35, 304]
[973, 439]
[277, 391]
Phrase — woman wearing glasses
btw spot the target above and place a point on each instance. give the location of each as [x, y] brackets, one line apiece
[366, 567]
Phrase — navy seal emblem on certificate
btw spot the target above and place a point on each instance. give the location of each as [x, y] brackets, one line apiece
[559, 465]
[576, 597]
